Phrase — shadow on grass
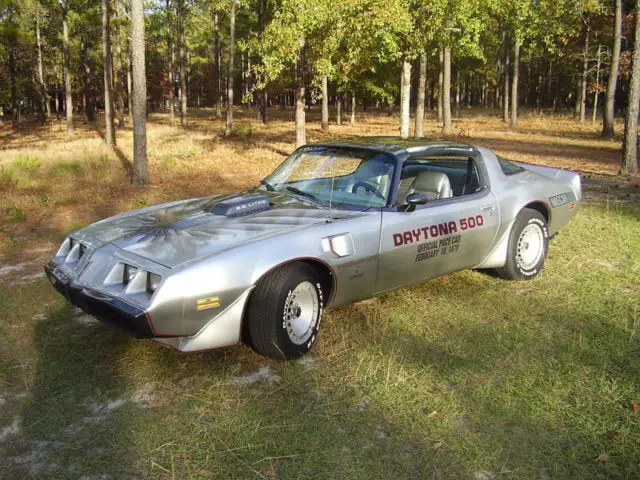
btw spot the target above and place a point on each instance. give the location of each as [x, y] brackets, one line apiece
[75, 416]
[124, 160]
[521, 384]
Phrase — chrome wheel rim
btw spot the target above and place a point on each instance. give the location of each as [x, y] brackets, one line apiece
[530, 246]
[301, 312]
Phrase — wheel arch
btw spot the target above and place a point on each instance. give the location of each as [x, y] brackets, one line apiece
[498, 256]
[540, 207]
[326, 275]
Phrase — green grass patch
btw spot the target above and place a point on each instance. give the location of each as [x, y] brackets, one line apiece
[463, 376]
[67, 168]
[141, 202]
[16, 213]
[168, 161]
[74, 224]
[25, 163]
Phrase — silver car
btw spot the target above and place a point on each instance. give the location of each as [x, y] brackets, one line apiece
[333, 224]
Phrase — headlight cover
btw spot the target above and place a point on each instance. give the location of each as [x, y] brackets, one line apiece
[134, 279]
[153, 280]
[128, 273]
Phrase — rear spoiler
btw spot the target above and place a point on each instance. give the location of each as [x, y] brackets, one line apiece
[572, 179]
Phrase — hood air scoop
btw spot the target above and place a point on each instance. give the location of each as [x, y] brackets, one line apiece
[240, 206]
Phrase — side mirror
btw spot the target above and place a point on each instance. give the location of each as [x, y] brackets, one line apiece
[414, 199]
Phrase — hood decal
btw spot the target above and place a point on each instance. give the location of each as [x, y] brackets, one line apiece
[245, 205]
[177, 233]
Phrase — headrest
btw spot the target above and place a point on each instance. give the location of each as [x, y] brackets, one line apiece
[433, 182]
[374, 168]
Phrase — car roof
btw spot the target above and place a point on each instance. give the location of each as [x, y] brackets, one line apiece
[396, 145]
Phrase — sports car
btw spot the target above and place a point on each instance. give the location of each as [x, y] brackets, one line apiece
[335, 223]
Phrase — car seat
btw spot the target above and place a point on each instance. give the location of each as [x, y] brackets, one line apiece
[435, 185]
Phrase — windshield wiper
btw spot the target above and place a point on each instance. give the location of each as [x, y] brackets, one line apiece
[268, 185]
[302, 192]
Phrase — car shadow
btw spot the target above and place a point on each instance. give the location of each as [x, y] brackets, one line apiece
[73, 421]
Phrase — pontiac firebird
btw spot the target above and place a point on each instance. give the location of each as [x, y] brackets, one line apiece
[333, 224]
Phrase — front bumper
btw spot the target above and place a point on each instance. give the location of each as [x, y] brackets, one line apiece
[106, 308]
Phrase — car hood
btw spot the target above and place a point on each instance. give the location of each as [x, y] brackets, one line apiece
[175, 233]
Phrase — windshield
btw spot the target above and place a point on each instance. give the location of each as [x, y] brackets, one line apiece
[336, 175]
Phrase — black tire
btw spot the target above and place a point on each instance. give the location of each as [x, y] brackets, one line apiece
[516, 268]
[272, 309]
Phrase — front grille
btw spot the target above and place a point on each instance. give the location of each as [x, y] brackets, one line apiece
[107, 309]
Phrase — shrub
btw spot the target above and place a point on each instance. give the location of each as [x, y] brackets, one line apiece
[142, 202]
[67, 168]
[16, 213]
[25, 163]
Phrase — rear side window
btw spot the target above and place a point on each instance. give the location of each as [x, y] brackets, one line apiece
[461, 171]
[508, 167]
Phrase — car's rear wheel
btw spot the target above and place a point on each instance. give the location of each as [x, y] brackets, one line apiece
[284, 312]
[528, 243]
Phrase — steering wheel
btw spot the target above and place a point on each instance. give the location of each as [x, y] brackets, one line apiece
[367, 187]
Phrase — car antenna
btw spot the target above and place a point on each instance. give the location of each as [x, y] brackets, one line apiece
[330, 219]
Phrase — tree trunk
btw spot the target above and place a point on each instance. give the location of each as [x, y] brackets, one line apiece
[232, 46]
[264, 105]
[218, 67]
[485, 91]
[596, 91]
[243, 78]
[514, 84]
[15, 108]
[353, 108]
[301, 134]
[505, 89]
[418, 130]
[140, 169]
[44, 94]
[172, 56]
[630, 158]
[87, 97]
[130, 85]
[56, 103]
[187, 77]
[119, 80]
[458, 85]
[263, 6]
[110, 131]
[325, 103]
[182, 55]
[447, 126]
[608, 129]
[440, 82]
[338, 109]
[550, 83]
[585, 67]
[405, 97]
[499, 68]
[67, 73]
[576, 109]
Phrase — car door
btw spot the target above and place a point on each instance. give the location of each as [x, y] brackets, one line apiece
[443, 236]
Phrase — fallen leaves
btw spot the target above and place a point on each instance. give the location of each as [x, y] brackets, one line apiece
[635, 407]
[603, 457]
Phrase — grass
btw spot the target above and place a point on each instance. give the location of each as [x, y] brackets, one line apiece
[466, 376]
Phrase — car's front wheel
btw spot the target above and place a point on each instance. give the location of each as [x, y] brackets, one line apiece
[528, 245]
[284, 312]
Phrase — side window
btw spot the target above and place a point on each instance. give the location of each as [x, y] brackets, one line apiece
[508, 167]
[439, 177]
